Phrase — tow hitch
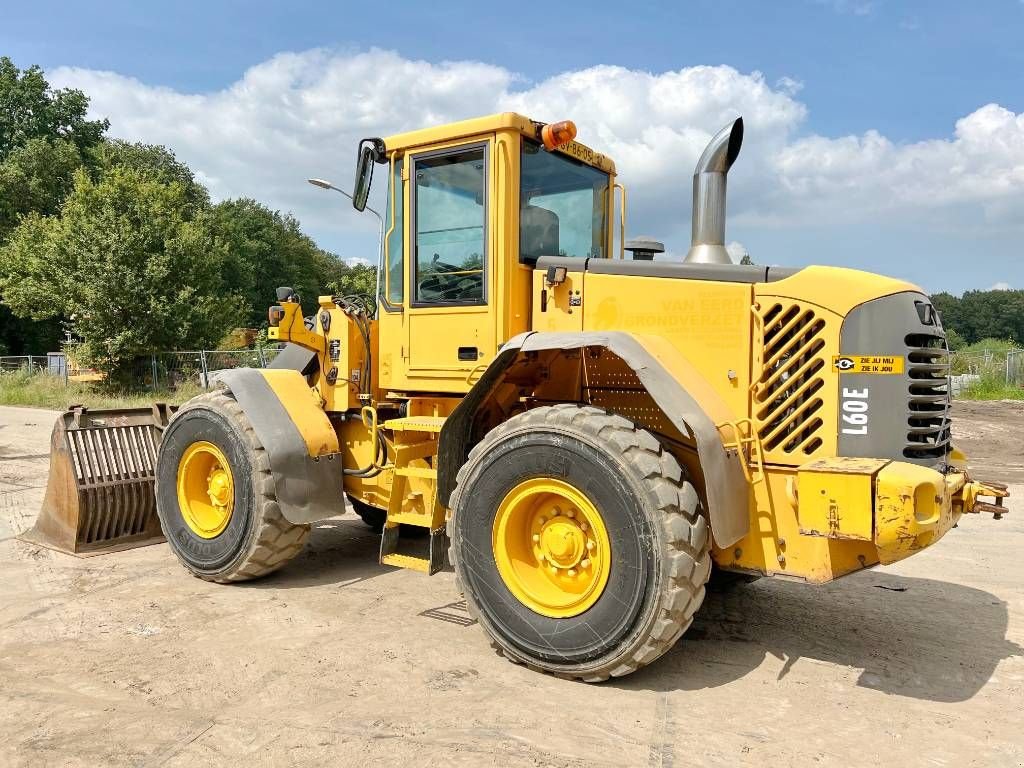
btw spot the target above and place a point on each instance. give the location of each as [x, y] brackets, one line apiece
[975, 488]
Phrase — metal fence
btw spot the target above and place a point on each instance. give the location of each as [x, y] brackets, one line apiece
[156, 371]
[1015, 367]
[36, 363]
[1006, 364]
[169, 370]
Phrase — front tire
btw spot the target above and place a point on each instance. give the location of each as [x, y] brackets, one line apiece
[237, 532]
[582, 460]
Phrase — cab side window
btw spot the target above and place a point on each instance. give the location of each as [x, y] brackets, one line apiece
[396, 252]
[450, 227]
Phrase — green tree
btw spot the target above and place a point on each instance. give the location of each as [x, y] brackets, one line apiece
[979, 315]
[948, 306]
[30, 109]
[993, 314]
[130, 261]
[955, 340]
[342, 279]
[44, 138]
[36, 176]
[265, 250]
[156, 162]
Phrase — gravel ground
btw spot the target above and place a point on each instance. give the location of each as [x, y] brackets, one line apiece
[125, 660]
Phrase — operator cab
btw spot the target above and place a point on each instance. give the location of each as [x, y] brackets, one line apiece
[471, 207]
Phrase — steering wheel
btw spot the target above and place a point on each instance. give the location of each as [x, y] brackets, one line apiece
[439, 286]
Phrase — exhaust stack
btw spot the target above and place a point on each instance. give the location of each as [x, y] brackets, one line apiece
[707, 243]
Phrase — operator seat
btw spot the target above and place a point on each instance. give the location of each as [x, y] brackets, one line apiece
[539, 228]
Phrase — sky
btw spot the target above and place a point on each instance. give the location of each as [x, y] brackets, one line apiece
[881, 135]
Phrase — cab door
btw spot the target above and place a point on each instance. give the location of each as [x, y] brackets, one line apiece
[451, 318]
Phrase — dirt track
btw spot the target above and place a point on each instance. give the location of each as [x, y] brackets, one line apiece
[125, 660]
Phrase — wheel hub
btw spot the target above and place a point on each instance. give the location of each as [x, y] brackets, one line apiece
[205, 489]
[562, 543]
[219, 487]
[551, 547]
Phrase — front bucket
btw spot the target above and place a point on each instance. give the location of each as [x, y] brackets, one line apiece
[100, 496]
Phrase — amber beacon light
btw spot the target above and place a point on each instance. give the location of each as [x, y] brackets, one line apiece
[558, 134]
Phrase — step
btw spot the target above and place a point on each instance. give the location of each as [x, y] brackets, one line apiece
[421, 564]
[428, 473]
[434, 562]
[415, 424]
[419, 519]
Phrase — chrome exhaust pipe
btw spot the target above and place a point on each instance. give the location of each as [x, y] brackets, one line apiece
[707, 242]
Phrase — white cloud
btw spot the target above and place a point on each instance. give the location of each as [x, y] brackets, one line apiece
[789, 85]
[982, 164]
[1001, 285]
[736, 251]
[854, 7]
[301, 114]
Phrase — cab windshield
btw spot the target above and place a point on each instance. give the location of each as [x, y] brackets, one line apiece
[562, 206]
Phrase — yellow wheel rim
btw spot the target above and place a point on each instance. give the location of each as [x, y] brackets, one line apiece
[551, 547]
[206, 489]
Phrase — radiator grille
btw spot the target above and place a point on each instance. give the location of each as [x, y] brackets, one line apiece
[928, 404]
[787, 401]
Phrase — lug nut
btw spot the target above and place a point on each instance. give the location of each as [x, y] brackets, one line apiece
[583, 526]
[570, 513]
[591, 545]
[572, 571]
[536, 537]
[585, 563]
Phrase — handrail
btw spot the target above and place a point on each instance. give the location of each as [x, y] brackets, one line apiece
[622, 219]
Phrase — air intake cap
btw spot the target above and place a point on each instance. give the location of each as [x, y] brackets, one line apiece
[644, 248]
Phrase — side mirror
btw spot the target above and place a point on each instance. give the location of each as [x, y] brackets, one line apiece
[370, 151]
[364, 177]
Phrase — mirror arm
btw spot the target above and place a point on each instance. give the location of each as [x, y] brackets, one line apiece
[380, 151]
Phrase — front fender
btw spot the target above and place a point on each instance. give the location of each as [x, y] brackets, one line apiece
[676, 387]
[300, 442]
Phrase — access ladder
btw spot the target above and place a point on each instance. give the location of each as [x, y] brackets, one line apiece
[415, 437]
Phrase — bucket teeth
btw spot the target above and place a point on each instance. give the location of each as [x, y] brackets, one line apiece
[100, 496]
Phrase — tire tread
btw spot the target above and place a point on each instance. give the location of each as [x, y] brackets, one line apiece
[276, 540]
[688, 540]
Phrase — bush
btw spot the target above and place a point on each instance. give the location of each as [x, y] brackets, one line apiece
[41, 390]
[985, 357]
[995, 346]
[992, 386]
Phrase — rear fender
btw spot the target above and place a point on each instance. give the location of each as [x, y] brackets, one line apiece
[688, 407]
[300, 442]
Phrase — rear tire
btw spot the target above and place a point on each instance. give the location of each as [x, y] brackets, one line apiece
[374, 517]
[659, 541]
[727, 581]
[256, 539]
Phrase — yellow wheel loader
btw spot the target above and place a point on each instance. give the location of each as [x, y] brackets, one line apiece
[582, 436]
